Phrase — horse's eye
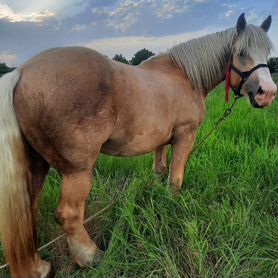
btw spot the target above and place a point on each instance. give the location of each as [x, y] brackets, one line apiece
[241, 54]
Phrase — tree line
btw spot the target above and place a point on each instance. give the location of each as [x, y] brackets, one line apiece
[138, 57]
[5, 69]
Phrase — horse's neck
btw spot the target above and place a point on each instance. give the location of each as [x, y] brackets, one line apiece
[218, 77]
[205, 60]
[163, 62]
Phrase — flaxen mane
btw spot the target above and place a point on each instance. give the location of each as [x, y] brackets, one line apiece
[203, 59]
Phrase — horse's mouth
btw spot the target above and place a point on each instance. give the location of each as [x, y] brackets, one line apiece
[253, 101]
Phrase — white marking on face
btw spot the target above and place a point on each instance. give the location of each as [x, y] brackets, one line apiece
[264, 77]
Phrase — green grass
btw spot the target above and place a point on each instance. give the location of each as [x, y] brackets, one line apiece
[223, 224]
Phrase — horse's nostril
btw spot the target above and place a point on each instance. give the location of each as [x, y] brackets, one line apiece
[260, 91]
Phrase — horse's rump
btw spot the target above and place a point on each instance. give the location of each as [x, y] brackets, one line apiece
[62, 94]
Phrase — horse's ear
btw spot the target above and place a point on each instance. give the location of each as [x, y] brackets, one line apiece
[266, 24]
[241, 24]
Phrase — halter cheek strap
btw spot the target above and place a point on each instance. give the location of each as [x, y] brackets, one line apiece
[244, 76]
[227, 85]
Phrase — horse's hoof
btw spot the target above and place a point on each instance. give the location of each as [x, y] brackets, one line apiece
[161, 173]
[89, 258]
[50, 274]
[85, 255]
[98, 256]
[44, 269]
[176, 192]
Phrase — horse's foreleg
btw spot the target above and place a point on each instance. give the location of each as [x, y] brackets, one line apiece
[159, 165]
[181, 149]
[70, 214]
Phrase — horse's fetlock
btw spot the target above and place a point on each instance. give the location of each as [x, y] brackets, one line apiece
[59, 218]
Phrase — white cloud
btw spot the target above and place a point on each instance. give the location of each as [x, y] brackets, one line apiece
[252, 17]
[78, 28]
[126, 6]
[7, 57]
[231, 8]
[128, 45]
[229, 13]
[123, 15]
[37, 11]
[169, 8]
[9, 14]
[124, 23]
[121, 8]
[201, 1]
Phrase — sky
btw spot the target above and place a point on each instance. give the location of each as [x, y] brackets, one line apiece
[119, 26]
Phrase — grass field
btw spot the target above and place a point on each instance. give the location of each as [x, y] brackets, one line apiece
[223, 224]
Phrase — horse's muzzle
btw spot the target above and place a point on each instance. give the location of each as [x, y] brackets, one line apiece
[253, 101]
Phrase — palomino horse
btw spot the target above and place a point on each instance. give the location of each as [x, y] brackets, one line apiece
[67, 105]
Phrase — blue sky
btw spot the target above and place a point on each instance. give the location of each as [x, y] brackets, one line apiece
[118, 26]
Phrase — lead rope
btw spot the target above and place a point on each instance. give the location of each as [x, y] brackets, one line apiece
[217, 124]
[64, 234]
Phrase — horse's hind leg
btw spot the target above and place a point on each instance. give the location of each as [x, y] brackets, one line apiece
[70, 214]
[159, 165]
[38, 168]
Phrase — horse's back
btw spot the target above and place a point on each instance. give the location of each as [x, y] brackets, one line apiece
[62, 93]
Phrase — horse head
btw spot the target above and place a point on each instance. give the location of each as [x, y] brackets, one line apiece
[249, 73]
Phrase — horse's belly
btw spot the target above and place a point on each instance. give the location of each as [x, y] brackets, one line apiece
[137, 145]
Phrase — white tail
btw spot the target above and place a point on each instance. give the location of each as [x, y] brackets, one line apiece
[16, 215]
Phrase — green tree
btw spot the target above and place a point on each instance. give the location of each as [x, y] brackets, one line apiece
[5, 69]
[140, 56]
[273, 64]
[120, 58]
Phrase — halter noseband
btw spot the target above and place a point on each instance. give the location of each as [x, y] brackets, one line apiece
[244, 76]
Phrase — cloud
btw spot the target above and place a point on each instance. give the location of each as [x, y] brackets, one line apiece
[128, 45]
[125, 13]
[7, 57]
[122, 24]
[229, 10]
[37, 11]
[8, 13]
[201, 1]
[169, 8]
[229, 13]
[120, 9]
[252, 17]
[122, 16]
[78, 28]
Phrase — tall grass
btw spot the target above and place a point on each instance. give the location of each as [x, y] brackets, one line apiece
[223, 224]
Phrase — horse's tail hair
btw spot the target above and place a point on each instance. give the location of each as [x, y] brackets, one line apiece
[16, 214]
